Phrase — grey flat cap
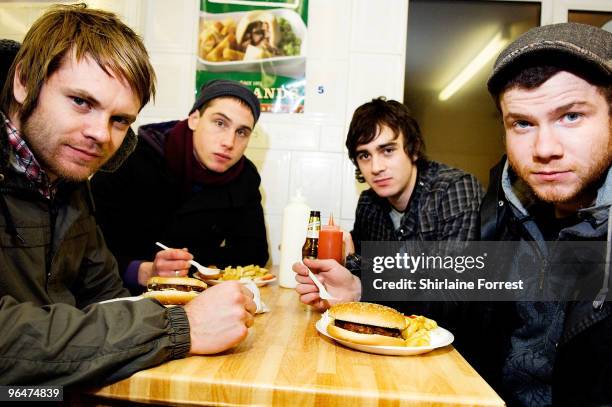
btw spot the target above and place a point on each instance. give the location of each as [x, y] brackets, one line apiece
[579, 43]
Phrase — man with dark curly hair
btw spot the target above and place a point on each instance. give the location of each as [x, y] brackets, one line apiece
[410, 198]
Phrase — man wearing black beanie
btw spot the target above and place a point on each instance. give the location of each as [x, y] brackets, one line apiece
[189, 185]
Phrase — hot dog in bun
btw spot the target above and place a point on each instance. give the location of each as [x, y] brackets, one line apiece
[367, 324]
[258, 29]
[174, 290]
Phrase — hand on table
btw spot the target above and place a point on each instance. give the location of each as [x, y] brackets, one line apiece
[219, 318]
[338, 280]
[167, 263]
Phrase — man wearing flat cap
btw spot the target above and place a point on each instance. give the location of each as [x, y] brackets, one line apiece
[554, 91]
[188, 185]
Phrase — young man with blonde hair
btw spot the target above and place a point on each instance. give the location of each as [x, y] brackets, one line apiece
[77, 83]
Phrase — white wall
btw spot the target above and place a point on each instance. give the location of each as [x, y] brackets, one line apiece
[356, 51]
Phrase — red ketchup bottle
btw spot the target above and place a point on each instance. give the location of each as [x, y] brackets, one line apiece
[330, 241]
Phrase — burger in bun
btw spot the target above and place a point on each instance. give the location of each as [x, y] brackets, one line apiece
[174, 290]
[367, 324]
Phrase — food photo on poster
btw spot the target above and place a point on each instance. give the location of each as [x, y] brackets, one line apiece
[263, 47]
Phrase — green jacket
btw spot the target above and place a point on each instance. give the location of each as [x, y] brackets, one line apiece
[54, 269]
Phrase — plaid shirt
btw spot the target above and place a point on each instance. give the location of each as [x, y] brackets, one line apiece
[444, 206]
[23, 161]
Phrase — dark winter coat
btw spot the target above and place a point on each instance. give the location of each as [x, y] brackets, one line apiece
[141, 203]
[582, 365]
[54, 271]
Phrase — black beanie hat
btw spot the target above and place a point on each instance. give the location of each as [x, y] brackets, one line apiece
[221, 87]
[8, 50]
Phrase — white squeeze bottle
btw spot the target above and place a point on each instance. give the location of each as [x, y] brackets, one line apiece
[293, 234]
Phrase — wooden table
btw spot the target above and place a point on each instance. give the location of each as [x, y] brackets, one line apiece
[284, 361]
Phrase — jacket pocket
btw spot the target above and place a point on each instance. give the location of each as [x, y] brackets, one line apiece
[71, 249]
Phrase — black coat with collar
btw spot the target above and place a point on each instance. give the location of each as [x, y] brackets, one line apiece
[140, 204]
[582, 373]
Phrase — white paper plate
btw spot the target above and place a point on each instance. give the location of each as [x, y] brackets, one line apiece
[258, 283]
[122, 299]
[439, 337]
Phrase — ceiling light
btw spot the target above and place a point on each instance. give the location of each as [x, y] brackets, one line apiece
[488, 52]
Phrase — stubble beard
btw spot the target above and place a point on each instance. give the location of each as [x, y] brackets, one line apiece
[586, 185]
[37, 135]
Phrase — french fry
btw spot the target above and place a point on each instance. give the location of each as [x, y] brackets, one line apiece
[217, 41]
[251, 271]
[229, 27]
[417, 330]
[218, 25]
[411, 328]
[420, 338]
[430, 324]
[231, 55]
[216, 54]
[208, 40]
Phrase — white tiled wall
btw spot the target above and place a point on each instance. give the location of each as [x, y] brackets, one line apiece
[356, 51]
[273, 167]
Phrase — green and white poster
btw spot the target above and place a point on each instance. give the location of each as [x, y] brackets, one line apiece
[261, 43]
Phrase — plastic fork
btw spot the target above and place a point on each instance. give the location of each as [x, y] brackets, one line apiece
[203, 270]
[323, 294]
